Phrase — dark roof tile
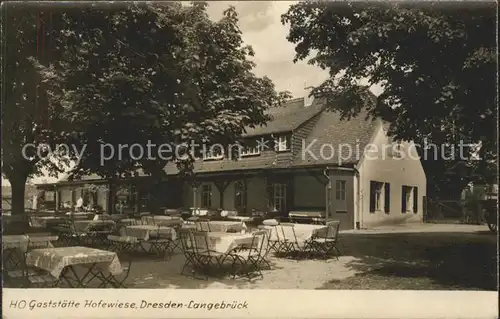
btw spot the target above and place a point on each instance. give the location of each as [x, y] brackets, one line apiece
[287, 118]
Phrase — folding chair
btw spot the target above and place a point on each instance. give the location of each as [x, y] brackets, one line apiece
[76, 237]
[162, 243]
[289, 244]
[206, 258]
[117, 281]
[273, 238]
[63, 231]
[186, 239]
[124, 242]
[176, 242]
[202, 225]
[28, 276]
[266, 248]
[98, 234]
[326, 243]
[252, 256]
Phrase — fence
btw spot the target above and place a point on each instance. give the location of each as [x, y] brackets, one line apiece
[453, 211]
[449, 211]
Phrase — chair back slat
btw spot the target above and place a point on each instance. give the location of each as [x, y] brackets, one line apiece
[291, 226]
[332, 229]
[186, 238]
[277, 231]
[260, 240]
[202, 225]
[201, 242]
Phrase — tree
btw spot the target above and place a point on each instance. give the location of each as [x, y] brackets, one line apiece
[158, 74]
[435, 61]
[26, 116]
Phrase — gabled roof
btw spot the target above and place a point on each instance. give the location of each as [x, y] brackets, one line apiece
[284, 119]
[330, 130]
[288, 117]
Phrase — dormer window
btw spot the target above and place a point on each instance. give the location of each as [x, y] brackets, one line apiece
[250, 151]
[282, 143]
[214, 153]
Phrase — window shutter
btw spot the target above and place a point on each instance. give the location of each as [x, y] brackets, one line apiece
[372, 197]
[415, 199]
[403, 199]
[387, 197]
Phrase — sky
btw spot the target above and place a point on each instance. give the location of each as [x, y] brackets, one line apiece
[260, 23]
[261, 28]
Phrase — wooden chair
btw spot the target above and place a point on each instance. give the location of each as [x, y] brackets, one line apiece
[326, 243]
[29, 276]
[289, 244]
[248, 260]
[208, 261]
[186, 238]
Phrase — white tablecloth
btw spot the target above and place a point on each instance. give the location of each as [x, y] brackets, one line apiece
[241, 218]
[162, 220]
[54, 260]
[270, 222]
[21, 241]
[302, 232]
[82, 226]
[225, 242]
[146, 231]
[221, 226]
[43, 221]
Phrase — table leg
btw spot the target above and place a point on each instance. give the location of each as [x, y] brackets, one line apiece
[81, 282]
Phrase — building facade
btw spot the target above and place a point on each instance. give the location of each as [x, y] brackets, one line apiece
[306, 159]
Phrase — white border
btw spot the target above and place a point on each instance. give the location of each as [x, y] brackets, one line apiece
[261, 303]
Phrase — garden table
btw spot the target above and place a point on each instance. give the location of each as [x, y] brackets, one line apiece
[144, 232]
[44, 221]
[221, 226]
[162, 220]
[65, 263]
[303, 232]
[223, 242]
[114, 217]
[83, 226]
[241, 218]
[13, 247]
[79, 213]
[270, 222]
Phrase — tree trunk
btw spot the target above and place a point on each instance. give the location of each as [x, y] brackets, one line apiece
[18, 223]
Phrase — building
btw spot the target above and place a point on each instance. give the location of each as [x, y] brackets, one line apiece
[29, 192]
[305, 159]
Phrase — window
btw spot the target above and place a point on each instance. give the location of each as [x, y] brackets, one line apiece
[250, 149]
[340, 190]
[206, 196]
[409, 199]
[282, 143]
[380, 197]
[279, 197]
[49, 196]
[214, 153]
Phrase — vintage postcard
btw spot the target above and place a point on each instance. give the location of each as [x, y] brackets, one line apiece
[249, 159]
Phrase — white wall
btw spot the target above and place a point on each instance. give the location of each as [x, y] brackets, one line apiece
[379, 165]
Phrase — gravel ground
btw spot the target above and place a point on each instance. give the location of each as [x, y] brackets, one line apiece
[286, 274]
[421, 256]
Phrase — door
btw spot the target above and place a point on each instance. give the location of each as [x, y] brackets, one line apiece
[339, 208]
